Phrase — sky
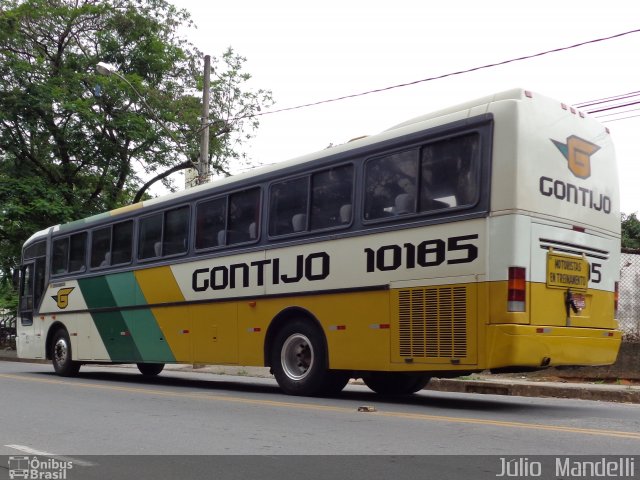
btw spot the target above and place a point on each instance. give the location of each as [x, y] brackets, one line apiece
[307, 52]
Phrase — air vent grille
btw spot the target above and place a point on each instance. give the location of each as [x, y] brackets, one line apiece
[433, 322]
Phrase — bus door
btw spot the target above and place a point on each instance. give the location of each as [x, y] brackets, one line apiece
[32, 275]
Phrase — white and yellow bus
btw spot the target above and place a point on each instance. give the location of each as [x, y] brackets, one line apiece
[484, 236]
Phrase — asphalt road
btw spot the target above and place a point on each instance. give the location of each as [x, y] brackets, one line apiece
[114, 411]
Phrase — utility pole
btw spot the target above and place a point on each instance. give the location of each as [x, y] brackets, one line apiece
[203, 164]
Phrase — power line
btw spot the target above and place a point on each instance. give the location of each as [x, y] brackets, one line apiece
[599, 101]
[616, 113]
[613, 107]
[623, 118]
[460, 72]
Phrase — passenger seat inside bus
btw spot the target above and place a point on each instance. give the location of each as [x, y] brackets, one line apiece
[222, 237]
[405, 203]
[299, 222]
[230, 237]
[345, 213]
[253, 231]
[107, 260]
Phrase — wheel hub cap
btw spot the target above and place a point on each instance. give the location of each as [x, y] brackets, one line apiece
[60, 351]
[297, 356]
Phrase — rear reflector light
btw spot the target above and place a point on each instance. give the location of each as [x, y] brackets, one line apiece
[616, 298]
[517, 293]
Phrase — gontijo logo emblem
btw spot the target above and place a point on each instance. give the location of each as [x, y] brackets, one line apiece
[62, 297]
[578, 153]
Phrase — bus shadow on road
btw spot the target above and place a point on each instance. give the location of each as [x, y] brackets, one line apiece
[213, 382]
[352, 393]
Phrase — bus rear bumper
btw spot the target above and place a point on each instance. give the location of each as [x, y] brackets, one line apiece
[539, 346]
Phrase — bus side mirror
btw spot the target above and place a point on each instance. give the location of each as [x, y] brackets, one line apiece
[16, 279]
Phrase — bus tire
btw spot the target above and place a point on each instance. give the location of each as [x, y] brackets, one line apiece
[150, 369]
[61, 355]
[391, 383]
[299, 361]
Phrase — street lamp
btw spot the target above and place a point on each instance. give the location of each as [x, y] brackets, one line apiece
[107, 69]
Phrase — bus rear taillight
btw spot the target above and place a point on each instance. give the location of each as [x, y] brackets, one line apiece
[517, 296]
[616, 298]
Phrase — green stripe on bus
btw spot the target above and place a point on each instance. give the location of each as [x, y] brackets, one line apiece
[141, 324]
[110, 325]
[80, 223]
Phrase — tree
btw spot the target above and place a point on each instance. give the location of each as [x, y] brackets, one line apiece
[630, 231]
[74, 143]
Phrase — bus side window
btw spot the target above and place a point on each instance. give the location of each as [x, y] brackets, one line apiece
[150, 236]
[288, 199]
[331, 190]
[77, 252]
[391, 185]
[60, 256]
[244, 208]
[101, 247]
[39, 281]
[122, 243]
[176, 228]
[69, 254]
[448, 173]
[210, 223]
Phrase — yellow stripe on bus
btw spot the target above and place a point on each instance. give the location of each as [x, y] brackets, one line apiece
[159, 287]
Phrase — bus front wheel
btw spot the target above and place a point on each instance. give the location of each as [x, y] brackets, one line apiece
[299, 361]
[391, 383]
[61, 355]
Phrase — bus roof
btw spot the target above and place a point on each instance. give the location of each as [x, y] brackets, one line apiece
[457, 112]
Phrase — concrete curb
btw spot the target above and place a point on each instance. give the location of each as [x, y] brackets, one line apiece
[580, 391]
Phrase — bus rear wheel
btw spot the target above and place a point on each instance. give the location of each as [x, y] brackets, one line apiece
[150, 369]
[391, 383]
[61, 355]
[299, 361]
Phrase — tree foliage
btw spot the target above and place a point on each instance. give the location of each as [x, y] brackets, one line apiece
[74, 143]
[630, 231]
